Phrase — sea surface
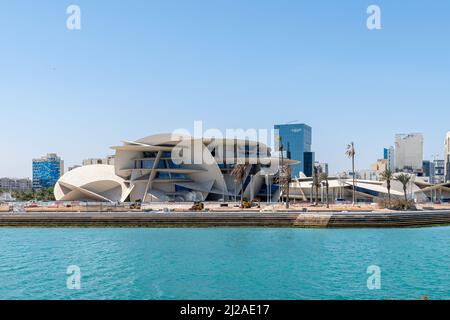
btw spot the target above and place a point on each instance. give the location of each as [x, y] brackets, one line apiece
[228, 263]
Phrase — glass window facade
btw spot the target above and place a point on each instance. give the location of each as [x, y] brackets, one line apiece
[308, 163]
[296, 142]
[150, 154]
[163, 164]
[147, 164]
[46, 172]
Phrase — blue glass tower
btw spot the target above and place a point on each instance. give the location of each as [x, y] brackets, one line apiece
[296, 140]
[46, 171]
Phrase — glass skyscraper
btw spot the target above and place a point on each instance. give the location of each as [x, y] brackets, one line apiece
[296, 141]
[47, 170]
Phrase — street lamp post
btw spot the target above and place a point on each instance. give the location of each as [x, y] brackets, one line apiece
[251, 188]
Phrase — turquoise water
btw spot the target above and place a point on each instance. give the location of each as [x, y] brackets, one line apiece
[224, 263]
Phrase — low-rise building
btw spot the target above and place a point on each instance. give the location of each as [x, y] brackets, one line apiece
[109, 160]
[6, 197]
[15, 184]
[341, 189]
[380, 166]
[368, 175]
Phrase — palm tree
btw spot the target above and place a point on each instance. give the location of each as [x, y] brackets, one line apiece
[404, 179]
[39, 195]
[285, 180]
[316, 183]
[239, 172]
[324, 178]
[387, 175]
[351, 153]
[49, 194]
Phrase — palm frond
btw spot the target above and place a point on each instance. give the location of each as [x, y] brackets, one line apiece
[387, 175]
[239, 172]
[403, 178]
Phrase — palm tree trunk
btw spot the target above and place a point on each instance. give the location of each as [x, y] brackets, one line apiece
[406, 199]
[287, 197]
[328, 198]
[389, 192]
[317, 195]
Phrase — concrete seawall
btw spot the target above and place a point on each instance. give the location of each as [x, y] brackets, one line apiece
[229, 219]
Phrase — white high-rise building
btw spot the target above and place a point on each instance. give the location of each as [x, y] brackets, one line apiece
[447, 157]
[409, 152]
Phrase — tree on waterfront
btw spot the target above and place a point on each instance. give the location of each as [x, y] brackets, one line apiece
[316, 183]
[34, 194]
[239, 172]
[387, 175]
[285, 180]
[324, 178]
[404, 179]
[285, 172]
[351, 153]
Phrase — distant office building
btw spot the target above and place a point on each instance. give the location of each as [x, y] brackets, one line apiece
[439, 171]
[296, 141]
[322, 166]
[428, 169]
[380, 166]
[447, 158]
[367, 175]
[389, 155]
[13, 184]
[308, 164]
[109, 160]
[409, 152]
[47, 170]
[435, 170]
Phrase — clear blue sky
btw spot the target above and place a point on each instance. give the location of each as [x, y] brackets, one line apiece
[142, 67]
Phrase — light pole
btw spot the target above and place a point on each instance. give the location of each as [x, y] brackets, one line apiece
[251, 188]
[269, 189]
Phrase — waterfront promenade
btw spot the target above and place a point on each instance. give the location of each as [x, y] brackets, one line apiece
[228, 219]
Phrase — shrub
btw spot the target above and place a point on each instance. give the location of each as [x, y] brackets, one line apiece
[397, 204]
